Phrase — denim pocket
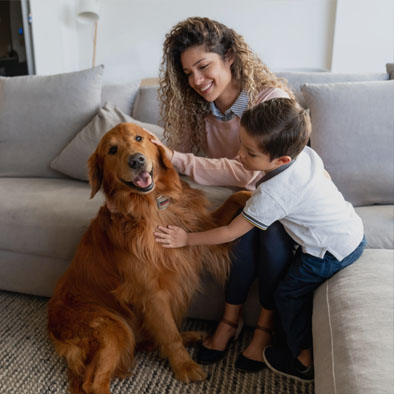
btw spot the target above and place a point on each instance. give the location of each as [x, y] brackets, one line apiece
[355, 254]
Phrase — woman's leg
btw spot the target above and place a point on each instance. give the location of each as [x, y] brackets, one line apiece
[276, 253]
[242, 274]
[262, 335]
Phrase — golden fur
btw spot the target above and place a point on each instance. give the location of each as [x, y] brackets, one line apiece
[122, 288]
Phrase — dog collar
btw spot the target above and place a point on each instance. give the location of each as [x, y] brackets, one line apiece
[163, 202]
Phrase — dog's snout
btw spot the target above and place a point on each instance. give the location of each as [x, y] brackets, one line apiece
[136, 161]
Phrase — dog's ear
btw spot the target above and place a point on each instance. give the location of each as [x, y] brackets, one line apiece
[164, 161]
[95, 165]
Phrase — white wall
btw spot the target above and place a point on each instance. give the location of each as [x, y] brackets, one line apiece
[287, 34]
[363, 35]
[131, 33]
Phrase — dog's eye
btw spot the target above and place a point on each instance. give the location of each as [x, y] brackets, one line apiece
[138, 138]
[113, 149]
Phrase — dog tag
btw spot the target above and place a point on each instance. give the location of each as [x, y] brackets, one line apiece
[163, 202]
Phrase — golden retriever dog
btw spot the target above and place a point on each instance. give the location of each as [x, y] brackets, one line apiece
[122, 288]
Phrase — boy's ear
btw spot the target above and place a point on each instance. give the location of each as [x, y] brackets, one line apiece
[283, 160]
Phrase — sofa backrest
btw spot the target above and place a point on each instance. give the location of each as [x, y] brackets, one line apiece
[147, 109]
[339, 138]
[297, 79]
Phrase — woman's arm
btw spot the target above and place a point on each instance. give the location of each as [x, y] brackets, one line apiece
[215, 172]
[175, 237]
[211, 172]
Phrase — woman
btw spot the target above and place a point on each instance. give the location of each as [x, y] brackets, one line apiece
[208, 78]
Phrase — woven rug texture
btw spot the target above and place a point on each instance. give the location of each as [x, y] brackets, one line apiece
[29, 364]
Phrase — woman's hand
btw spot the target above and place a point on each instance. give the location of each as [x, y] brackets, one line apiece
[169, 152]
[171, 237]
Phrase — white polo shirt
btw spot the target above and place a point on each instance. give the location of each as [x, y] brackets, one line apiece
[309, 206]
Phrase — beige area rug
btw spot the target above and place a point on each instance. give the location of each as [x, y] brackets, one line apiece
[29, 365]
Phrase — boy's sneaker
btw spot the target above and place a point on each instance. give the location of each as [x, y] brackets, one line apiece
[282, 362]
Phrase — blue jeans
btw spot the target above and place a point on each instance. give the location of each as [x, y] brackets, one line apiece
[294, 294]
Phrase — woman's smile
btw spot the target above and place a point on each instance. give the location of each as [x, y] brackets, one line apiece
[205, 88]
[210, 76]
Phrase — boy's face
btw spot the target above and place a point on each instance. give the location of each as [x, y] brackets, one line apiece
[253, 159]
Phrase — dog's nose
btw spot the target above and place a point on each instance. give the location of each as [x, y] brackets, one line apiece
[136, 161]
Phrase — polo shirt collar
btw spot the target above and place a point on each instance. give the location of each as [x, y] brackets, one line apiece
[238, 108]
[275, 172]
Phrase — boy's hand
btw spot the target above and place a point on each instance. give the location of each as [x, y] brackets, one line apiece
[171, 237]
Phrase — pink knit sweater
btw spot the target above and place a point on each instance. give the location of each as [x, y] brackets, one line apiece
[222, 167]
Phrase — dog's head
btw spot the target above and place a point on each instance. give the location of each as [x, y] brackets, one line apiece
[127, 159]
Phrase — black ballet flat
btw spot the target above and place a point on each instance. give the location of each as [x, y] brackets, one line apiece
[245, 364]
[210, 356]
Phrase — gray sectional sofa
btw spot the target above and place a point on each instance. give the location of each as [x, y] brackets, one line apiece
[49, 125]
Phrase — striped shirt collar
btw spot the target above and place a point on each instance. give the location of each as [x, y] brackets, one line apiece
[237, 109]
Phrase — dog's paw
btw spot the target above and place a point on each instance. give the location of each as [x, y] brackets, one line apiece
[190, 371]
[190, 338]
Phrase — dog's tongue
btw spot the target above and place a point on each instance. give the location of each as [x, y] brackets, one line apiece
[143, 179]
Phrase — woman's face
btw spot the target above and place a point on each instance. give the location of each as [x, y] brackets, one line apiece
[209, 75]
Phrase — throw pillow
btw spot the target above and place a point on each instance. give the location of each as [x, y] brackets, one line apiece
[39, 115]
[123, 96]
[296, 79]
[353, 132]
[72, 161]
[147, 105]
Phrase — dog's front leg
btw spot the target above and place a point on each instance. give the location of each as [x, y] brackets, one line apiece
[161, 325]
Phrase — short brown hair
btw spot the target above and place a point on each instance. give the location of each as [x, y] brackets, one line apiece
[281, 125]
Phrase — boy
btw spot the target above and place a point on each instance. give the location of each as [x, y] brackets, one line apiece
[297, 191]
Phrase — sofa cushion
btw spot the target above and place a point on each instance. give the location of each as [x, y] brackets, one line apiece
[41, 224]
[123, 96]
[30, 274]
[297, 79]
[39, 115]
[353, 327]
[45, 217]
[378, 223]
[352, 130]
[72, 160]
[147, 105]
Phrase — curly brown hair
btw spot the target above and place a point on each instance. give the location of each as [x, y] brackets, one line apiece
[182, 109]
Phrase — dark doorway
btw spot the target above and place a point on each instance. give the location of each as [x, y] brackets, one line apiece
[15, 38]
